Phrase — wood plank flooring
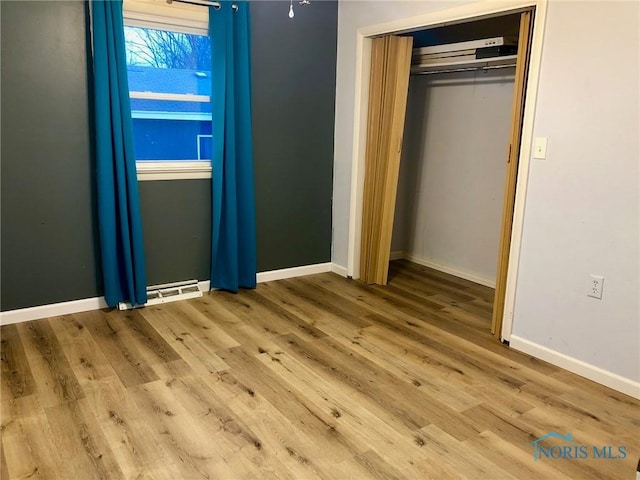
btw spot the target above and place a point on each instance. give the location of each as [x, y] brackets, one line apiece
[313, 377]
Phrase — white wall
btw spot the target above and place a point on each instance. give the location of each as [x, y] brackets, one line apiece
[452, 170]
[353, 15]
[582, 207]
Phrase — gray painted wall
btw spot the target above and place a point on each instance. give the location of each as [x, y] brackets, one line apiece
[294, 84]
[48, 231]
[48, 249]
[176, 220]
[452, 171]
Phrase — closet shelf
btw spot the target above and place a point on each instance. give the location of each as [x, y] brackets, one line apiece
[466, 65]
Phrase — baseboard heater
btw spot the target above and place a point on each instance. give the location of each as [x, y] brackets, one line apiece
[167, 292]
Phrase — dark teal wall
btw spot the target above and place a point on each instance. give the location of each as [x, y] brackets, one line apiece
[177, 229]
[48, 250]
[47, 232]
[294, 71]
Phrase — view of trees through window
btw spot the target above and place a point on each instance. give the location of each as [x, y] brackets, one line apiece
[164, 49]
[170, 84]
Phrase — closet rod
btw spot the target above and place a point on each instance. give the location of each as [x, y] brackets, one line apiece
[205, 3]
[468, 69]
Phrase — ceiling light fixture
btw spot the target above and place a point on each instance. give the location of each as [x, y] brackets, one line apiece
[235, 7]
[302, 2]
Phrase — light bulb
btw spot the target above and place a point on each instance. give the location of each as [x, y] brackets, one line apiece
[291, 11]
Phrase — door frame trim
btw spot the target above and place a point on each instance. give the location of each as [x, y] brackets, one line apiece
[361, 95]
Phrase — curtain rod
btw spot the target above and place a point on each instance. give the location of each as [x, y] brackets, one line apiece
[205, 3]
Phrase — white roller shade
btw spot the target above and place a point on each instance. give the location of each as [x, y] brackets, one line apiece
[179, 17]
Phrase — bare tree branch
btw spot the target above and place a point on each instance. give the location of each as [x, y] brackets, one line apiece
[163, 49]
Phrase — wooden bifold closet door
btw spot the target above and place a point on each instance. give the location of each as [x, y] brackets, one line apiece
[517, 111]
[388, 90]
[389, 84]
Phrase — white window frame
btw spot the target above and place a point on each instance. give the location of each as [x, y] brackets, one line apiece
[177, 17]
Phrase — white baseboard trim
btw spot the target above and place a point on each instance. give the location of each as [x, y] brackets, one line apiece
[597, 374]
[456, 272]
[338, 270]
[283, 273]
[96, 303]
[396, 255]
[293, 272]
[51, 310]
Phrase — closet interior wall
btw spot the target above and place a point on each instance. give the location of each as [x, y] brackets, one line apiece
[452, 170]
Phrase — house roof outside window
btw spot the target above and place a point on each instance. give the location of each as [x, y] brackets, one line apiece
[166, 80]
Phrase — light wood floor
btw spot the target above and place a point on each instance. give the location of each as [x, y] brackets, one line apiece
[316, 377]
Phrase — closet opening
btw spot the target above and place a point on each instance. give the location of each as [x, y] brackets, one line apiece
[442, 149]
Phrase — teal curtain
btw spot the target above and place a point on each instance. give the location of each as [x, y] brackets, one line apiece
[120, 226]
[233, 249]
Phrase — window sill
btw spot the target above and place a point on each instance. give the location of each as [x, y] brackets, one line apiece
[181, 170]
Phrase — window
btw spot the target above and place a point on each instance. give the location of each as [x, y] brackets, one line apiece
[169, 73]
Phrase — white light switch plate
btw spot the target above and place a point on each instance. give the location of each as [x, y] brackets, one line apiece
[540, 148]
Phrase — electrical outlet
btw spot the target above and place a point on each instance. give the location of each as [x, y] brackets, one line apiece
[596, 283]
